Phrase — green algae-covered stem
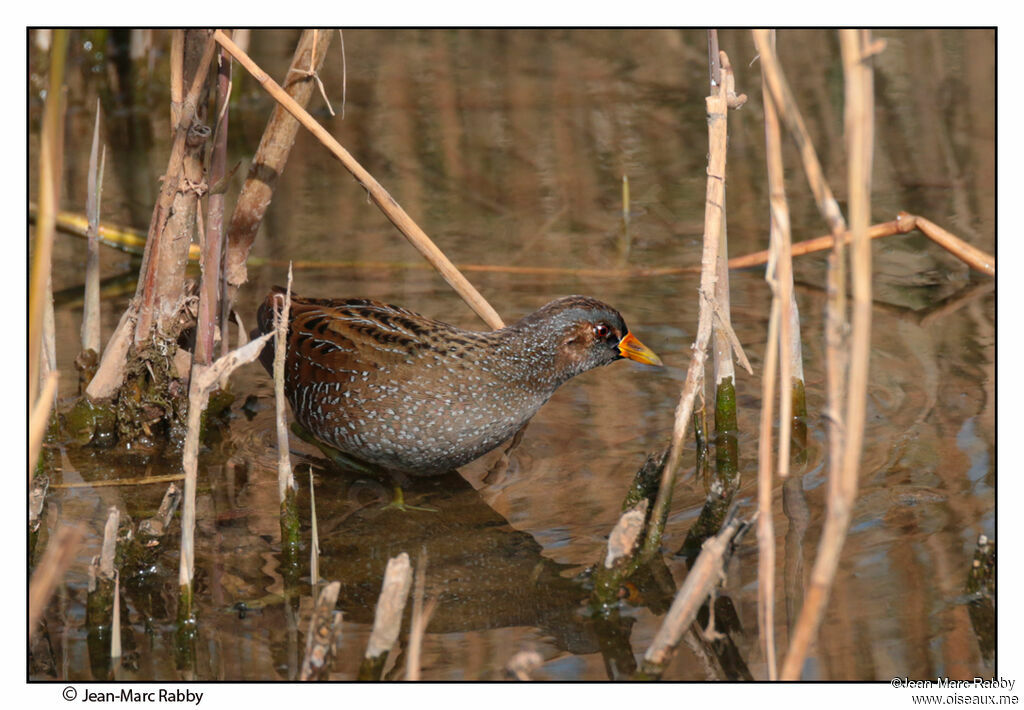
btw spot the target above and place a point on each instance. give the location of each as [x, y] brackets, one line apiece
[619, 561]
[290, 543]
[286, 486]
[100, 600]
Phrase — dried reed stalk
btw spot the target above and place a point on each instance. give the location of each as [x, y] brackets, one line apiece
[765, 526]
[780, 277]
[380, 196]
[721, 348]
[204, 379]
[856, 51]
[115, 623]
[972, 256]
[94, 189]
[285, 477]
[900, 225]
[717, 106]
[177, 75]
[49, 197]
[835, 311]
[782, 307]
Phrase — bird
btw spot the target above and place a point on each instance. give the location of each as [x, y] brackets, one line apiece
[411, 394]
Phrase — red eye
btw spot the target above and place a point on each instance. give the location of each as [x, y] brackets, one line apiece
[601, 331]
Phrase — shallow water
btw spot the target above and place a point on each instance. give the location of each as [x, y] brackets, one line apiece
[509, 148]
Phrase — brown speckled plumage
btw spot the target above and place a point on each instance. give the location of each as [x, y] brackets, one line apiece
[406, 392]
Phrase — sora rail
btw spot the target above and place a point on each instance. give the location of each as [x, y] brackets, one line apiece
[412, 394]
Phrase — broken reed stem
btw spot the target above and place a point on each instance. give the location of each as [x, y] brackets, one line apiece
[705, 575]
[204, 379]
[380, 196]
[972, 256]
[717, 106]
[620, 558]
[387, 619]
[59, 555]
[49, 197]
[323, 635]
[133, 241]
[859, 109]
[901, 225]
[94, 193]
[177, 75]
[724, 370]
[285, 478]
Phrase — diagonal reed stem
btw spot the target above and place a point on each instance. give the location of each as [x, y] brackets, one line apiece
[378, 194]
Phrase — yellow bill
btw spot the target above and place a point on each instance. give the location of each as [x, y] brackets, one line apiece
[633, 349]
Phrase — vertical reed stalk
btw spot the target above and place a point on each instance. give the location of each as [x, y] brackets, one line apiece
[791, 358]
[161, 276]
[726, 442]
[173, 221]
[765, 525]
[856, 51]
[285, 479]
[204, 379]
[778, 335]
[94, 188]
[177, 63]
[286, 486]
[49, 198]
[835, 314]
[717, 105]
[213, 244]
